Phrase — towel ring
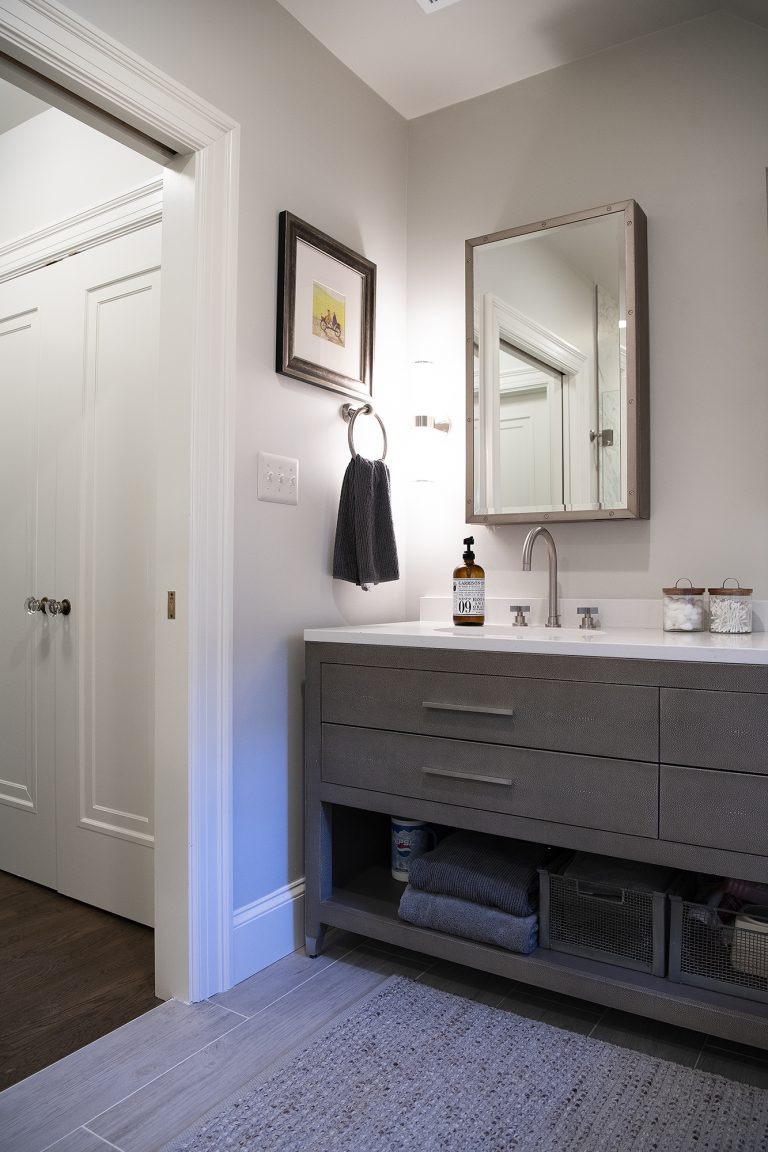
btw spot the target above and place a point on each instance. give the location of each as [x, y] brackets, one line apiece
[351, 414]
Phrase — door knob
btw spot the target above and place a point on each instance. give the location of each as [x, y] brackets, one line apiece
[46, 605]
[58, 607]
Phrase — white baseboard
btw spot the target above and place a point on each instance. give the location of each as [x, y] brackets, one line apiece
[267, 929]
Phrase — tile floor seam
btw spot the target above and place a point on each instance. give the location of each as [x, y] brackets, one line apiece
[191, 1055]
[243, 1020]
[80, 1128]
[711, 1045]
[104, 1140]
[597, 1022]
[159, 1076]
[326, 968]
[234, 1011]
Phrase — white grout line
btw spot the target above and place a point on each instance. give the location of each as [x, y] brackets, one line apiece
[171, 1068]
[104, 1140]
[242, 1015]
[80, 1128]
[190, 1055]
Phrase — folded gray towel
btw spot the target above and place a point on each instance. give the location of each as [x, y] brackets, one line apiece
[365, 551]
[484, 869]
[472, 921]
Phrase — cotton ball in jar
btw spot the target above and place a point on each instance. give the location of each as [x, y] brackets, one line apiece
[683, 613]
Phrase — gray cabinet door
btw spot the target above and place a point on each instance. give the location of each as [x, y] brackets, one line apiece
[725, 730]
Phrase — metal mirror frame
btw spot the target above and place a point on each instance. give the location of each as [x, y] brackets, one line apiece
[637, 370]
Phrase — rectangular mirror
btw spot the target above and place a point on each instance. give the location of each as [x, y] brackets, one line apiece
[557, 369]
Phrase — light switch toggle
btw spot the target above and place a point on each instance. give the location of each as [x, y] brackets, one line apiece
[278, 479]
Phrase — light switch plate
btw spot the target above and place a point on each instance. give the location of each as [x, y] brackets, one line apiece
[278, 479]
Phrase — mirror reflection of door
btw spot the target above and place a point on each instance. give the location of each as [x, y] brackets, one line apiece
[552, 299]
[530, 398]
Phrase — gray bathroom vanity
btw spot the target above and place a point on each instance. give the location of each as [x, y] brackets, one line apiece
[639, 749]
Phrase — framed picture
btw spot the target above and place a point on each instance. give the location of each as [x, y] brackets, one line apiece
[325, 310]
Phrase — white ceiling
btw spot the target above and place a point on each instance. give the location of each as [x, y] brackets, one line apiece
[419, 62]
[17, 106]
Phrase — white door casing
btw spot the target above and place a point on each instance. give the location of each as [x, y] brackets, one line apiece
[193, 655]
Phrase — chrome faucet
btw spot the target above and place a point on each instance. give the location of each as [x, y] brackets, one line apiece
[553, 620]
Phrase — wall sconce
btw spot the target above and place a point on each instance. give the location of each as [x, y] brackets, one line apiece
[430, 422]
[425, 388]
[426, 444]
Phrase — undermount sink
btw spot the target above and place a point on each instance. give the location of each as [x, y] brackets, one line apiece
[511, 632]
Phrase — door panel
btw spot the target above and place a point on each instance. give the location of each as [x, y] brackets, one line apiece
[105, 826]
[97, 356]
[27, 830]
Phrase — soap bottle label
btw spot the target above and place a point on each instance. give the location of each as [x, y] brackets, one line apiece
[469, 597]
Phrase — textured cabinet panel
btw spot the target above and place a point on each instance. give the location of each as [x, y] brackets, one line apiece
[587, 791]
[616, 720]
[725, 730]
[714, 809]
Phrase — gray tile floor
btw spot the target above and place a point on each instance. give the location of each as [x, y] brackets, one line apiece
[139, 1087]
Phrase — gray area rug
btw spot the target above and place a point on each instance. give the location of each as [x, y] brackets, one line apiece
[415, 1068]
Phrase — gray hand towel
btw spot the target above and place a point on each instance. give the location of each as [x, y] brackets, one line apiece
[365, 551]
[485, 869]
[472, 921]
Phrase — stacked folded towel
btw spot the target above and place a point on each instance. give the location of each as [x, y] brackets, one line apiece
[481, 887]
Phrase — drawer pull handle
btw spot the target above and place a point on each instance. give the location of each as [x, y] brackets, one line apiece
[468, 708]
[472, 776]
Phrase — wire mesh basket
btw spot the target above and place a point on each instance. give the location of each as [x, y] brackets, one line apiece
[724, 951]
[616, 925]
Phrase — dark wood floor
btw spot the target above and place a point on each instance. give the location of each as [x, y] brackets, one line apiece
[69, 974]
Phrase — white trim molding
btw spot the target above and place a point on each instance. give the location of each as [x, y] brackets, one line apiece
[267, 929]
[531, 337]
[59, 45]
[193, 753]
[99, 224]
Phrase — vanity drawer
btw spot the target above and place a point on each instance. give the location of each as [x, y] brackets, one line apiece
[586, 791]
[714, 809]
[616, 720]
[724, 730]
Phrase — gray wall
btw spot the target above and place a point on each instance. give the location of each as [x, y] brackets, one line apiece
[679, 122]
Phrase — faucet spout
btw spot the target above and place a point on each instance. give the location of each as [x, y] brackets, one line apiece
[553, 619]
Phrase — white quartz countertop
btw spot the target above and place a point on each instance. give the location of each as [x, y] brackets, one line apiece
[622, 643]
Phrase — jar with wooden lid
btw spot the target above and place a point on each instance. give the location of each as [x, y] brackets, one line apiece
[684, 609]
[730, 609]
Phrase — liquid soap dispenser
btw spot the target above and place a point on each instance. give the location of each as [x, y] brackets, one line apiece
[469, 589]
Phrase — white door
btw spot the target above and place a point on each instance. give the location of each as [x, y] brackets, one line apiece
[524, 449]
[78, 374]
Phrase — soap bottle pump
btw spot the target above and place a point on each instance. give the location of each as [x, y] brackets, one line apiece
[469, 589]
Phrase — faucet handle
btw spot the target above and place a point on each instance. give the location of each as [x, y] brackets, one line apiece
[589, 620]
[520, 610]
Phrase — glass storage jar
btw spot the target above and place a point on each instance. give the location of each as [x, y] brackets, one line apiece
[730, 609]
[683, 609]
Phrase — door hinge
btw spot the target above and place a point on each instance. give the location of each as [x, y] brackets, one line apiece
[171, 605]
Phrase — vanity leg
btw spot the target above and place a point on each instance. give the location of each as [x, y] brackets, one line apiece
[314, 944]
